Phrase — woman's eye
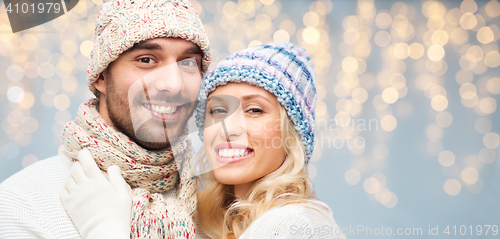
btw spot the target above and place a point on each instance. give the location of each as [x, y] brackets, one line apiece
[147, 60]
[218, 111]
[255, 111]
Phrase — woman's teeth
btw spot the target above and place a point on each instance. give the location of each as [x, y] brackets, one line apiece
[161, 109]
[233, 153]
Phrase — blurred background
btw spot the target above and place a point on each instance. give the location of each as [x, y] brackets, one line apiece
[407, 120]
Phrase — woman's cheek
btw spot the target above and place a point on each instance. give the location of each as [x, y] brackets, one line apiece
[255, 140]
[257, 130]
[273, 127]
[253, 125]
[208, 137]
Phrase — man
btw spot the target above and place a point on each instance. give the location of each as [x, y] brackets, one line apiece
[145, 70]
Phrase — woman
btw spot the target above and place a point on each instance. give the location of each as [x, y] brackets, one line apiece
[256, 119]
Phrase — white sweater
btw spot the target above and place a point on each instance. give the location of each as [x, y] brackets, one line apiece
[293, 222]
[30, 206]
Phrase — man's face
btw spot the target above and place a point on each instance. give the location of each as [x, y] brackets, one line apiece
[150, 91]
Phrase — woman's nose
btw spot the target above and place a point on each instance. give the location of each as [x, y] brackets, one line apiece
[233, 126]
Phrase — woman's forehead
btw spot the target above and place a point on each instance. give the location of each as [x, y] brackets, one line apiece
[244, 91]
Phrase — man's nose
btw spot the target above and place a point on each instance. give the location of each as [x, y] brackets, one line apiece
[169, 79]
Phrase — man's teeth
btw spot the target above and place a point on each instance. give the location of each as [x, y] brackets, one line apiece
[162, 109]
[233, 153]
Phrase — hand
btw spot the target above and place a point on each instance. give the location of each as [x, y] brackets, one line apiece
[99, 208]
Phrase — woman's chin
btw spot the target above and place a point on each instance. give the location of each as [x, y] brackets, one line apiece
[230, 178]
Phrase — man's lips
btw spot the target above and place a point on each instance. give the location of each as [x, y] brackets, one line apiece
[163, 111]
[232, 152]
[161, 103]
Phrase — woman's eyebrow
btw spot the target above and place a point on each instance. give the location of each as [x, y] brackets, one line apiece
[249, 97]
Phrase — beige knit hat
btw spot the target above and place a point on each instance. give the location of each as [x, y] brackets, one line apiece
[122, 23]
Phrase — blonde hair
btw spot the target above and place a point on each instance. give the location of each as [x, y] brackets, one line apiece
[221, 215]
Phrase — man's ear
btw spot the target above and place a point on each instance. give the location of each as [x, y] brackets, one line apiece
[100, 83]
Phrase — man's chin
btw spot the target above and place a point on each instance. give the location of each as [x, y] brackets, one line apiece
[154, 140]
[153, 146]
[156, 134]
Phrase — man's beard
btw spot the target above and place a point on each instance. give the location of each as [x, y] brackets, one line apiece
[145, 136]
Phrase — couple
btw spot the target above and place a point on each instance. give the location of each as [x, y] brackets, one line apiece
[255, 114]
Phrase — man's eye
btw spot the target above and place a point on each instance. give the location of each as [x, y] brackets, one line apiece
[147, 60]
[188, 63]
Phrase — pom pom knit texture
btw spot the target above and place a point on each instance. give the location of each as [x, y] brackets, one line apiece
[123, 23]
[280, 68]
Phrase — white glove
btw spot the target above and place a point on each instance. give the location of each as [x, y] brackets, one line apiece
[99, 208]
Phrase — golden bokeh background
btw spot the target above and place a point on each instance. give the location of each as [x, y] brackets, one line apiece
[408, 94]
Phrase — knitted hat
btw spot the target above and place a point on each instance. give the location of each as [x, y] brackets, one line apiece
[280, 68]
[122, 23]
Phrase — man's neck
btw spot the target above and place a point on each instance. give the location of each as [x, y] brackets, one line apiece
[102, 109]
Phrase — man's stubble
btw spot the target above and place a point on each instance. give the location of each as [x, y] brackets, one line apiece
[120, 115]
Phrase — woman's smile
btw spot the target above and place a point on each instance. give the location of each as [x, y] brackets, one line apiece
[232, 153]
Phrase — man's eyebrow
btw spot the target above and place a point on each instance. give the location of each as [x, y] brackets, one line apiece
[145, 46]
[249, 97]
[193, 50]
[153, 46]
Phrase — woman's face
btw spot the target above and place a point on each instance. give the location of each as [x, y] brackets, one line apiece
[246, 144]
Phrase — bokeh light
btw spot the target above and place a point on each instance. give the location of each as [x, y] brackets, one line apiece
[491, 140]
[492, 8]
[29, 160]
[487, 155]
[352, 176]
[492, 59]
[470, 175]
[15, 94]
[452, 187]
[444, 119]
[468, 21]
[435, 52]
[390, 95]
[439, 103]
[488, 105]
[483, 125]
[371, 185]
[446, 158]
[388, 123]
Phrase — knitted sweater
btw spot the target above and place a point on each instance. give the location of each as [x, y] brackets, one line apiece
[30, 206]
[293, 222]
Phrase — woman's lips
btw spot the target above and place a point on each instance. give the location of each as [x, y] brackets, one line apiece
[232, 153]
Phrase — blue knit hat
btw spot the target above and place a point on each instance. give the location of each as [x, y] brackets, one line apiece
[280, 68]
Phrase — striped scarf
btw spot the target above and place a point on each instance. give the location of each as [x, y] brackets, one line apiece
[149, 173]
